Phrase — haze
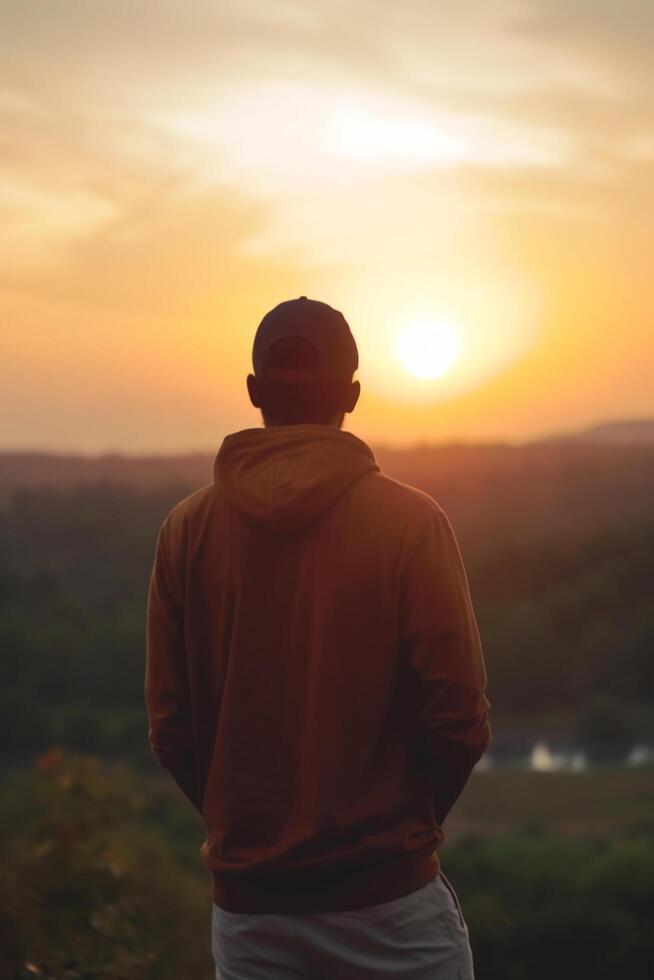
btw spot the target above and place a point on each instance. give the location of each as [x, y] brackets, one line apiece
[169, 171]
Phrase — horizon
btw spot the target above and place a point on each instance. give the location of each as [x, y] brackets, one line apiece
[483, 221]
[571, 436]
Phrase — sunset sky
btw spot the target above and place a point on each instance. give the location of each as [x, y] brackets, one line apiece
[479, 174]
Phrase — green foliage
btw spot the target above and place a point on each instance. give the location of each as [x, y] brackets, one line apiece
[88, 887]
[566, 621]
[540, 907]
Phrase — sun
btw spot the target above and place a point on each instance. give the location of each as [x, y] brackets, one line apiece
[427, 349]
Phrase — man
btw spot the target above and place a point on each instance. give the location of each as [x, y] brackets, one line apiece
[315, 682]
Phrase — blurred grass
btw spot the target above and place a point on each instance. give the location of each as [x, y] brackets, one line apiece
[606, 801]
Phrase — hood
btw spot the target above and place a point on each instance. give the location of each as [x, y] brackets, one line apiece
[285, 476]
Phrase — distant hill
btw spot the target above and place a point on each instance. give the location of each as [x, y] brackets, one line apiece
[511, 495]
[30, 468]
[38, 469]
[629, 431]
[571, 486]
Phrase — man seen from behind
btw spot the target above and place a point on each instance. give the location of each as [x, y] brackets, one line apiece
[315, 682]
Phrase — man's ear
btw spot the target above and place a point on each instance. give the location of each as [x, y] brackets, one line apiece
[253, 390]
[353, 396]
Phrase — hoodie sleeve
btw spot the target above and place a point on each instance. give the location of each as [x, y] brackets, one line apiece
[444, 653]
[167, 694]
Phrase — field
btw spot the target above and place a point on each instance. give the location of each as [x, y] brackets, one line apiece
[598, 802]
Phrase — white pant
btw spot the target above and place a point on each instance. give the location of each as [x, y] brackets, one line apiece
[420, 936]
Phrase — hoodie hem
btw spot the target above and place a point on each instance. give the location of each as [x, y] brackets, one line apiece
[313, 891]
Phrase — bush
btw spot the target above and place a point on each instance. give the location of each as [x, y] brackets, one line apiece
[539, 907]
[604, 731]
[87, 888]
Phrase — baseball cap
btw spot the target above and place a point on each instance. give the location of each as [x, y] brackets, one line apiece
[319, 324]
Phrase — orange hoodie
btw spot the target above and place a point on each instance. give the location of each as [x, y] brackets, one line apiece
[314, 680]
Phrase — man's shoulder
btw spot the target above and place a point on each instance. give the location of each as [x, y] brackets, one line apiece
[189, 508]
[400, 498]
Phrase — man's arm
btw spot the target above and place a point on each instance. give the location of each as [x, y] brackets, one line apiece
[167, 694]
[444, 653]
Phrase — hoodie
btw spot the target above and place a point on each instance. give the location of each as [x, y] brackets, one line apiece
[314, 680]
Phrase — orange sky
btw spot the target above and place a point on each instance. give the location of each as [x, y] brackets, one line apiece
[169, 171]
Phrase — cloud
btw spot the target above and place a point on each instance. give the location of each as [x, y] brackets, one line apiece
[616, 34]
[126, 115]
